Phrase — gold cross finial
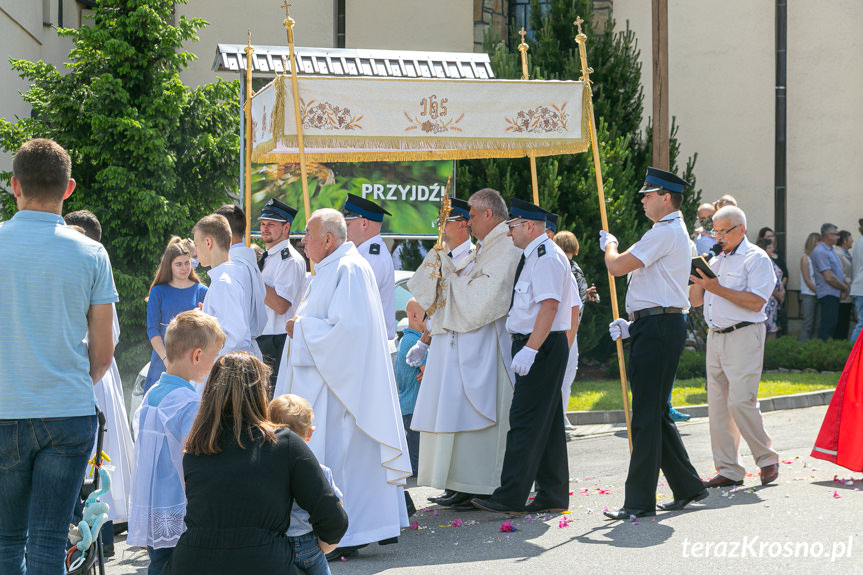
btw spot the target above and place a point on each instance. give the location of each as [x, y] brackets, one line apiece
[522, 33]
[578, 22]
[250, 36]
[285, 5]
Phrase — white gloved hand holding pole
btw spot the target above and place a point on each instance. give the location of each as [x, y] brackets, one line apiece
[606, 238]
[618, 329]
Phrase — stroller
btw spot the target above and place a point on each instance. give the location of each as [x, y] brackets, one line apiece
[84, 552]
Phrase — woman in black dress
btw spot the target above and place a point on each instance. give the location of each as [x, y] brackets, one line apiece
[242, 475]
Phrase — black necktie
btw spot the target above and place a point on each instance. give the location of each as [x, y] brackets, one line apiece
[517, 274]
[450, 255]
[262, 260]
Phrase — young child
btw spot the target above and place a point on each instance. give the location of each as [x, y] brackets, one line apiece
[296, 414]
[408, 377]
[157, 504]
[236, 294]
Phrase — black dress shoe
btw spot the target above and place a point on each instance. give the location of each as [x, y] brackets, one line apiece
[457, 498]
[537, 506]
[444, 495]
[623, 513]
[488, 504]
[679, 504]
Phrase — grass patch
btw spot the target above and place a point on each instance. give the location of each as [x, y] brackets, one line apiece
[604, 394]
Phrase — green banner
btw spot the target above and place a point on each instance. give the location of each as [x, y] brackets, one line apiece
[410, 191]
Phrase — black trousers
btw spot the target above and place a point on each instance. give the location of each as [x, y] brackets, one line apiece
[536, 440]
[655, 347]
[272, 348]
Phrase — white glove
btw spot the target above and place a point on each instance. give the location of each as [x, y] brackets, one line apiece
[618, 329]
[416, 354]
[606, 238]
[523, 360]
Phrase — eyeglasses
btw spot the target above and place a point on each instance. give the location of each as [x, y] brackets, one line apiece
[511, 226]
[724, 232]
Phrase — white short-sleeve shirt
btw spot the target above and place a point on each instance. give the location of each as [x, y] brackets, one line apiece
[545, 275]
[663, 281]
[746, 268]
[285, 272]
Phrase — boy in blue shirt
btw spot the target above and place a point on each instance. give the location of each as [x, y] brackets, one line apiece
[408, 378]
[157, 505]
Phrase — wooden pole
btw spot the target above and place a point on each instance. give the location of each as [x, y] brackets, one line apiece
[523, 48]
[581, 38]
[248, 113]
[289, 26]
[661, 134]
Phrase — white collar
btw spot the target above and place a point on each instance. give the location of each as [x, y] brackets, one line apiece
[279, 247]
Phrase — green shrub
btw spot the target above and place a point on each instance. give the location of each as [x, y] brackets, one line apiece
[692, 364]
[787, 352]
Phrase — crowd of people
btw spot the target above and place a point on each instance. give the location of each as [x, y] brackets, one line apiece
[280, 376]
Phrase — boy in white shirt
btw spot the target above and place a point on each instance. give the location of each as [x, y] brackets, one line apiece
[157, 505]
[235, 297]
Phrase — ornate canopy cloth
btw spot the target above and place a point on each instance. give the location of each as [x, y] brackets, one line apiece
[399, 119]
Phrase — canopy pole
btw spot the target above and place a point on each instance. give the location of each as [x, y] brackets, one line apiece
[248, 114]
[581, 38]
[523, 48]
[289, 26]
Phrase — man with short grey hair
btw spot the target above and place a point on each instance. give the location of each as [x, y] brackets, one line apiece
[830, 284]
[734, 299]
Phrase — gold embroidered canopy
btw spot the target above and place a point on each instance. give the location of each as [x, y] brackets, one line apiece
[399, 119]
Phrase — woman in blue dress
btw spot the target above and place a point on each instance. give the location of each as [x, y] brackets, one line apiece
[175, 289]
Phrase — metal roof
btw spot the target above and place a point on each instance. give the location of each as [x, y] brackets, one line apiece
[344, 62]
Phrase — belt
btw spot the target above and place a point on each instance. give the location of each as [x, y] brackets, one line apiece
[526, 336]
[659, 310]
[733, 327]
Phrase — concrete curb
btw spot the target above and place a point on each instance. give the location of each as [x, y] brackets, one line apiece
[777, 403]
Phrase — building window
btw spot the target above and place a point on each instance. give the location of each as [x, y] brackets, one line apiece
[340, 23]
[519, 14]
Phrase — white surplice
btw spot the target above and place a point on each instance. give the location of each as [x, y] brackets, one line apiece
[339, 361]
[463, 403]
[117, 443]
[236, 300]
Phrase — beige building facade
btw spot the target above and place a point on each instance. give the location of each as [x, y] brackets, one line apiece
[721, 79]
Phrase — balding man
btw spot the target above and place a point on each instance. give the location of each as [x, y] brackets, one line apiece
[337, 358]
[734, 302]
[704, 232]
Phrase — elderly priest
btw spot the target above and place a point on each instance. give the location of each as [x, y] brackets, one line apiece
[337, 358]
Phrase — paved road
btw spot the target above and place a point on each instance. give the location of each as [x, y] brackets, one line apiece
[805, 513]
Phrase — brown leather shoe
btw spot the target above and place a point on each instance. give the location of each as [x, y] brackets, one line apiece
[769, 473]
[721, 481]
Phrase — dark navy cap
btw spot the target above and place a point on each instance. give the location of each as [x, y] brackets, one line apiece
[357, 207]
[278, 212]
[525, 210]
[460, 209]
[551, 222]
[657, 178]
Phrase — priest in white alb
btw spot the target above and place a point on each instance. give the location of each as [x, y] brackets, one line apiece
[337, 358]
[463, 404]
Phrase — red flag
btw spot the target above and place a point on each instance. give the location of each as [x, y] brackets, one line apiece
[840, 440]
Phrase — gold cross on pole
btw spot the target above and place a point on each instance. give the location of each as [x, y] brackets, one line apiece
[285, 5]
[522, 33]
[578, 22]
